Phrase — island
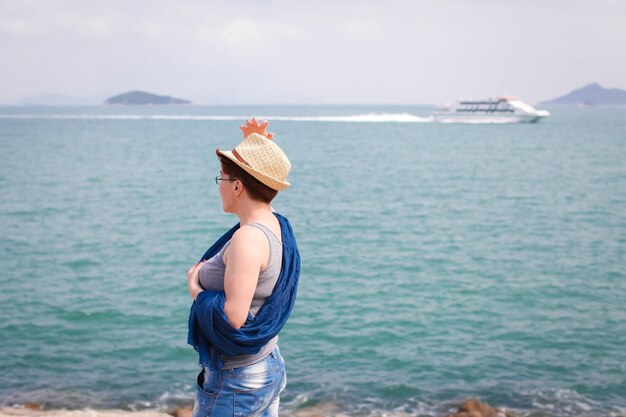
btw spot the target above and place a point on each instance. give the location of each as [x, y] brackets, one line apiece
[591, 94]
[142, 98]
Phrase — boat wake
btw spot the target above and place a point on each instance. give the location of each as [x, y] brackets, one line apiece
[360, 118]
[357, 118]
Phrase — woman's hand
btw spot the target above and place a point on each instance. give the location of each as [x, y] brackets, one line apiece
[193, 282]
[253, 126]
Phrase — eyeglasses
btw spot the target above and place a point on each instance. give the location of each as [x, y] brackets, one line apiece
[218, 179]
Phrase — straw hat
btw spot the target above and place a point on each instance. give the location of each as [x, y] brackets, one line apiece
[261, 158]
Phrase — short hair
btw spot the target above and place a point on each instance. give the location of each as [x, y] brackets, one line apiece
[255, 188]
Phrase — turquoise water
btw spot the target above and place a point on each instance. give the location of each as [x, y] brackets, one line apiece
[439, 261]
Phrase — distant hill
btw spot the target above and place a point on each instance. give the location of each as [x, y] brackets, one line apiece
[591, 94]
[142, 98]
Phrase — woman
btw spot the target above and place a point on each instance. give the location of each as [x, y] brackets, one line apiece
[245, 285]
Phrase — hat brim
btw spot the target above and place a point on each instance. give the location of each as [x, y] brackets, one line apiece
[273, 183]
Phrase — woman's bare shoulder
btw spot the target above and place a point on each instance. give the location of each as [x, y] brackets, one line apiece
[248, 234]
[248, 243]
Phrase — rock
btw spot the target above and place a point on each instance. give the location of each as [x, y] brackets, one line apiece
[474, 408]
[33, 406]
[184, 411]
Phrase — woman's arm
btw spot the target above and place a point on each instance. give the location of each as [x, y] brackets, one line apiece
[244, 258]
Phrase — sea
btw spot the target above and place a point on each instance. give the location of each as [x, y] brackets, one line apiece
[440, 262]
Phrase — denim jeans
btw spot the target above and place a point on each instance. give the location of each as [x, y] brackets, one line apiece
[249, 391]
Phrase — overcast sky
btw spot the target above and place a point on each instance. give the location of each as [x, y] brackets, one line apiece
[256, 52]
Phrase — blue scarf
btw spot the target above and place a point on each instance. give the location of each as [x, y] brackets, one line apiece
[209, 328]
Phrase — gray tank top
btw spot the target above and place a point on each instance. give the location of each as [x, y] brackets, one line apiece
[211, 276]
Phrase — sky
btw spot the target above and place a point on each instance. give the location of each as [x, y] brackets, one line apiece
[310, 52]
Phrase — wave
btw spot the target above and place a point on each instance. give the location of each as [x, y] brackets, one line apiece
[548, 402]
[358, 118]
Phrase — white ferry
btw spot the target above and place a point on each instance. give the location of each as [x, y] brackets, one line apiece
[492, 110]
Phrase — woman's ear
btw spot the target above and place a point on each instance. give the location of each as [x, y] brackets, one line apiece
[238, 187]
